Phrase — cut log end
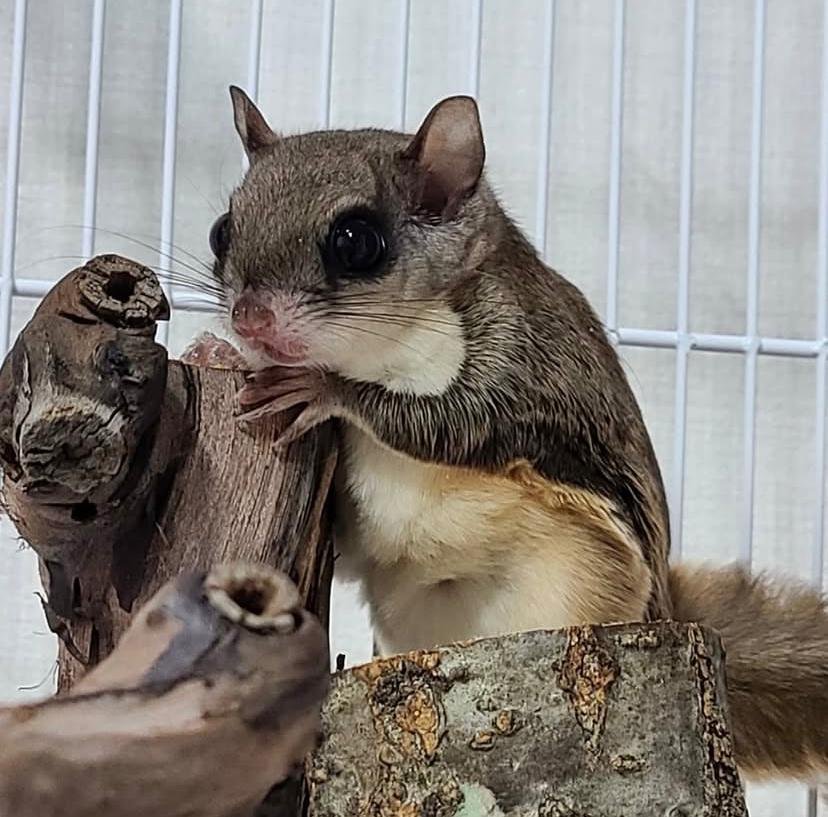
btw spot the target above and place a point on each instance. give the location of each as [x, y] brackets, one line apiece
[253, 596]
[122, 292]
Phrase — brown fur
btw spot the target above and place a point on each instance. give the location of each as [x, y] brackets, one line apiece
[463, 355]
[776, 638]
[539, 380]
[615, 580]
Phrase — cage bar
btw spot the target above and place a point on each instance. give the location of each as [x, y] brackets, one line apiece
[254, 59]
[614, 215]
[12, 172]
[624, 336]
[93, 118]
[476, 47]
[405, 36]
[734, 344]
[254, 53]
[170, 139]
[683, 297]
[818, 547]
[545, 152]
[818, 555]
[754, 238]
[196, 302]
[326, 95]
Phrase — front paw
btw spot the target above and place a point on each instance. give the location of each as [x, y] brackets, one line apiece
[307, 395]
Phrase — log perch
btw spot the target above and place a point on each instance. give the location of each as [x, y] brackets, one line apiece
[211, 696]
[618, 721]
[123, 469]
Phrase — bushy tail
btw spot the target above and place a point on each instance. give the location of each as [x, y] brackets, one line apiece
[776, 638]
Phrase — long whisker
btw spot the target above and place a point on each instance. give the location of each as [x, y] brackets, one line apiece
[426, 304]
[437, 299]
[165, 275]
[405, 318]
[370, 297]
[206, 271]
[172, 275]
[349, 309]
[168, 277]
[201, 193]
[380, 335]
[170, 244]
[397, 303]
[176, 276]
[423, 305]
[38, 261]
[365, 331]
[391, 320]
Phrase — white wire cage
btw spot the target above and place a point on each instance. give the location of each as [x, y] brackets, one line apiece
[669, 156]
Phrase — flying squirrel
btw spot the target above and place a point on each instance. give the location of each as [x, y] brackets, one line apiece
[496, 474]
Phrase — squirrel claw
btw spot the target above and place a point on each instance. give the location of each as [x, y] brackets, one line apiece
[279, 389]
[307, 420]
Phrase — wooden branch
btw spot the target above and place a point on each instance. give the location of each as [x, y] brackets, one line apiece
[122, 470]
[625, 720]
[212, 694]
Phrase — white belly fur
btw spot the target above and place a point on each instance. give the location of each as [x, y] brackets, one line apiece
[447, 554]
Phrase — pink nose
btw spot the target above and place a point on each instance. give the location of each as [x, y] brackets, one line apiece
[250, 316]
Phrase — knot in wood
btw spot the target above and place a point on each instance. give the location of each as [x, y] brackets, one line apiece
[70, 451]
[554, 807]
[483, 740]
[405, 694]
[507, 722]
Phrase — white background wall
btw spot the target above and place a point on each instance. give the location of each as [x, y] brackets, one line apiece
[550, 146]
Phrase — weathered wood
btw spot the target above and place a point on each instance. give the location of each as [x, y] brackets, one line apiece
[625, 720]
[212, 694]
[122, 470]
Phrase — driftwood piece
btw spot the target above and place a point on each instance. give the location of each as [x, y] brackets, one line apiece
[122, 470]
[212, 694]
[616, 721]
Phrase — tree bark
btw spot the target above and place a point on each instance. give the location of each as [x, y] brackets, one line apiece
[212, 694]
[617, 721]
[123, 470]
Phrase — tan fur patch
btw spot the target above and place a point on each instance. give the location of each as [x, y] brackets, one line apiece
[447, 554]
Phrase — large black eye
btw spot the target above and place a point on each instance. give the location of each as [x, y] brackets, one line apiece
[356, 243]
[220, 235]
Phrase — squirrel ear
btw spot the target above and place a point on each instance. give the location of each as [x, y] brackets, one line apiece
[254, 131]
[449, 153]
